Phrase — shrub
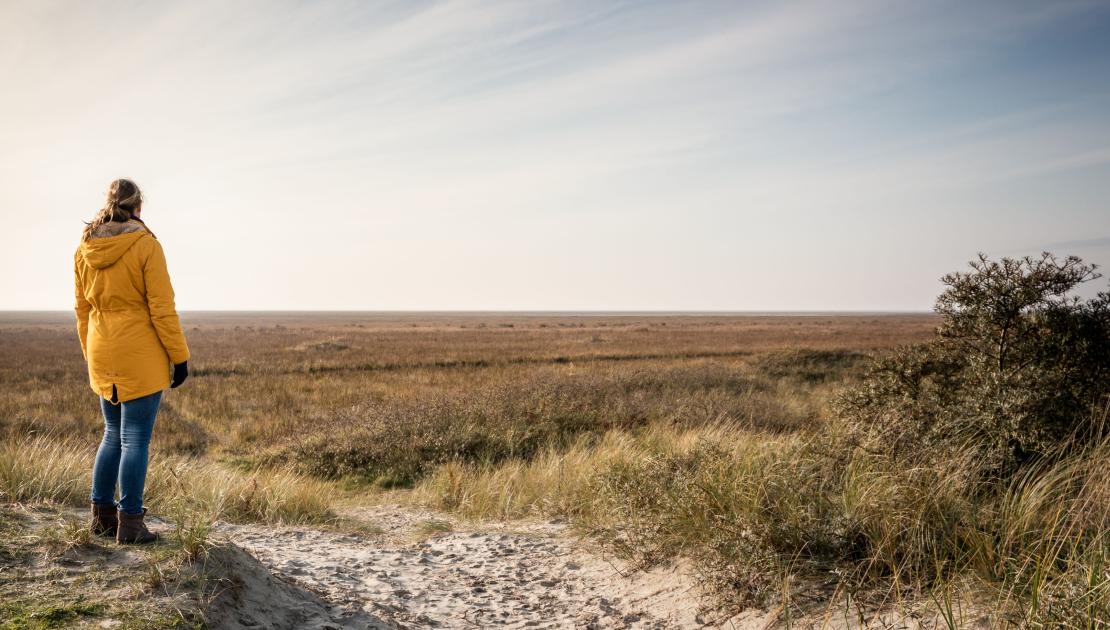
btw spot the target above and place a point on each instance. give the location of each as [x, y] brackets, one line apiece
[1019, 366]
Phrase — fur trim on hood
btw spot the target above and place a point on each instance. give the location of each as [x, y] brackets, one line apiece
[115, 228]
[109, 241]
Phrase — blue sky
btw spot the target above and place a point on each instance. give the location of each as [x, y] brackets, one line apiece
[556, 155]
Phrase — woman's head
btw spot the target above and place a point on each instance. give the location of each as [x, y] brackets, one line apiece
[125, 200]
[124, 203]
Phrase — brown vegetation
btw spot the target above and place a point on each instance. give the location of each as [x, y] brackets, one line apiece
[702, 437]
[260, 380]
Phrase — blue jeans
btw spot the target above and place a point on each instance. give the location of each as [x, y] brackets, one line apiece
[123, 452]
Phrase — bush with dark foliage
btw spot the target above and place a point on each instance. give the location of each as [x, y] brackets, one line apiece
[1020, 366]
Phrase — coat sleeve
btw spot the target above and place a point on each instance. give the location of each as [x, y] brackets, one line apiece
[82, 307]
[163, 312]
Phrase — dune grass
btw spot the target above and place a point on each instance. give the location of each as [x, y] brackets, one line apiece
[42, 469]
[709, 442]
[54, 573]
[766, 518]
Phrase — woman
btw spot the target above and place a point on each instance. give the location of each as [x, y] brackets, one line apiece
[130, 335]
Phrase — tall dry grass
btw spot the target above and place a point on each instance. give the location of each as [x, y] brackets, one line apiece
[705, 439]
[40, 469]
[518, 417]
[764, 518]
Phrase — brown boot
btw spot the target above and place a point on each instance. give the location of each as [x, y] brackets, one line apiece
[133, 530]
[104, 520]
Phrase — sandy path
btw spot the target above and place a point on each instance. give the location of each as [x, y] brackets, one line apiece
[532, 576]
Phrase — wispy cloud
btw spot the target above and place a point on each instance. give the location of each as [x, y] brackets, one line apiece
[559, 154]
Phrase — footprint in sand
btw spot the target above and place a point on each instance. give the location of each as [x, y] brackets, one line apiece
[537, 577]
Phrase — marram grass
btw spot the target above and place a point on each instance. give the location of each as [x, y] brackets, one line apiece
[757, 513]
[42, 469]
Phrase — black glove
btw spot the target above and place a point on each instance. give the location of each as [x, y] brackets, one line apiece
[180, 373]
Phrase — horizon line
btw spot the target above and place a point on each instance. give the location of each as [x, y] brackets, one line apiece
[533, 311]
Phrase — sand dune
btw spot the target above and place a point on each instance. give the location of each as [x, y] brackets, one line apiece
[522, 576]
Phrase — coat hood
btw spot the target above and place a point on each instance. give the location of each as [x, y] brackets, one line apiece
[109, 241]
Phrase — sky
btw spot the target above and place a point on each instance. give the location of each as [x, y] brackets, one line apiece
[559, 155]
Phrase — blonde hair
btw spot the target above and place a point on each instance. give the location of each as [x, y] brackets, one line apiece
[123, 201]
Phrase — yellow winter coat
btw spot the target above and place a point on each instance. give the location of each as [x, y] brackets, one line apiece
[126, 319]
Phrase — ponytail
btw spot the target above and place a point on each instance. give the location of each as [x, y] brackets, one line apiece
[124, 199]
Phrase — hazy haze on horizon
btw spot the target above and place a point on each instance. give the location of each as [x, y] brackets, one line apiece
[556, 155]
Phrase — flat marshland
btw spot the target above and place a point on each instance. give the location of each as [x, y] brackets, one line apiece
[711, 441]
[262, 381]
